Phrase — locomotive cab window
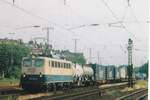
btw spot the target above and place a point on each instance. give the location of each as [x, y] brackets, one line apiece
[39, 62]
[27, 62]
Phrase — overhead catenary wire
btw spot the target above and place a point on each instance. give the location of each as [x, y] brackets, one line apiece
[115, 16]
[34, 15]
[110, 10]
[134, 15]
[120, 22]
[129, 7]
[70, 9]
[132, 12]
[124, 14]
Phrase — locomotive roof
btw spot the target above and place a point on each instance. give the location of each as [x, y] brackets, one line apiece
[54, 59]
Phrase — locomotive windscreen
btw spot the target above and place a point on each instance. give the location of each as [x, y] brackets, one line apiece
[39, 62]
[36, 62]
[27, 62]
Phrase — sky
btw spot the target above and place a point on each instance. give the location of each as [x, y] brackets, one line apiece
[72, 19]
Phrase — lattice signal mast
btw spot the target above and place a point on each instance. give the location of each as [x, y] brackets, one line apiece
[130, 64]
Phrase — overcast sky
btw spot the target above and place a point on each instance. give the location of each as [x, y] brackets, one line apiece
[110, 42]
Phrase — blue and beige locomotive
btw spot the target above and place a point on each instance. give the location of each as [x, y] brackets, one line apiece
[45, 73]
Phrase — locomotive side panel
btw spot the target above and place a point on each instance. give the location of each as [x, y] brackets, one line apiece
[59, 71]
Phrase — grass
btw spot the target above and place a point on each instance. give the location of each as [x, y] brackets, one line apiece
[11, 98]
[9, 82]
[112, 94]
[142, 84]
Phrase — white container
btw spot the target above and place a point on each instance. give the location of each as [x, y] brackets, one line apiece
[117, 74]
[110, 73]
[78, 71]
[123, 72]
[87, 71]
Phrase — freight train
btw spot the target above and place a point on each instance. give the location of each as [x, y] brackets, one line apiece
[44, 73]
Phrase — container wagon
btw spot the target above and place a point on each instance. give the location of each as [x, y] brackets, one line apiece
[123, 72]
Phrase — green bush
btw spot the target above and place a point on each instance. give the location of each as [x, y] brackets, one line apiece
[11, 54]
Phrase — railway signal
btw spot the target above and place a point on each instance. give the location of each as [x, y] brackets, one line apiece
[130, 64]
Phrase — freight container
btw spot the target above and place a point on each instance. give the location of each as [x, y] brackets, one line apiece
[117, 76]
[110, 72]
[99, 73]
[123, 72]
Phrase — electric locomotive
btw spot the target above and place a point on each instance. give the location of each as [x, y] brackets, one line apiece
[45, 73]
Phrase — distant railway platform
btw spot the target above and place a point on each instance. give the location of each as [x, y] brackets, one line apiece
[112, 85]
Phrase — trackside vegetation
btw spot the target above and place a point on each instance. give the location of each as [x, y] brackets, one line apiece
[11, 54]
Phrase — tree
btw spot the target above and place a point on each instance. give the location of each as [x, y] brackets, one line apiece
[74, 57]
[11, 54]
[144, 69]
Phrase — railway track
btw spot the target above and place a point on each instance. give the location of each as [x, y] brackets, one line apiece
[12, 95]
[74, 95]
[84, 93]
[138, 95]
[10, 92]
[143, 97]
[9, 96]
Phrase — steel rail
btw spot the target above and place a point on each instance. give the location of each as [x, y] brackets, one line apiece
[142, 97]
[132, 94]
[79, 90]
[74, 96]
[7, 96]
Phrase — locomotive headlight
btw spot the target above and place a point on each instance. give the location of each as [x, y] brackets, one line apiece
[24, 75]
[40, 74]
